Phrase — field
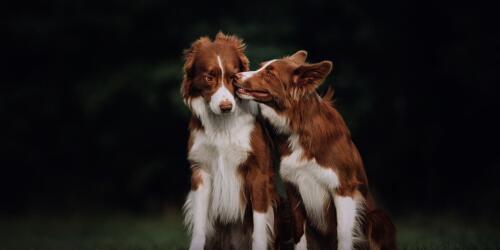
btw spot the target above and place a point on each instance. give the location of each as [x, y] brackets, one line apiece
[130, 231]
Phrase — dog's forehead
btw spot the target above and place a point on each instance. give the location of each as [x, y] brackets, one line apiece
[278, 64]
[214, 55]
[229, 59]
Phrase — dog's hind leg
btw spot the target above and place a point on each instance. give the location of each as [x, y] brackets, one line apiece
[380, 231]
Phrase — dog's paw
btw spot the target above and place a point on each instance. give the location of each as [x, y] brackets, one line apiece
[197, 244]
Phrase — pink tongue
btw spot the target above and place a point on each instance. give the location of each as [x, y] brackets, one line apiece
[259, 94]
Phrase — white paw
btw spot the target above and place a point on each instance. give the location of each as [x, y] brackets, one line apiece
[197, 244]
[302, 245]
[259, 245]
[344, 245]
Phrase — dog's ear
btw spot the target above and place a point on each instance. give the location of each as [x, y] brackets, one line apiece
[189, 60]
[238, 45]
[299, 57]
[312, 75]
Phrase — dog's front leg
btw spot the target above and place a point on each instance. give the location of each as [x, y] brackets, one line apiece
[263, 211]
[298, 216]
[196, 208]
[348, 210]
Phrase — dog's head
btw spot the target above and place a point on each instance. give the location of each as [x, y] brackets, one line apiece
[210, 69]
[281, 83]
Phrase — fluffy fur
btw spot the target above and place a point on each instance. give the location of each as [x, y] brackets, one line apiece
[232, 190]
[320, 164]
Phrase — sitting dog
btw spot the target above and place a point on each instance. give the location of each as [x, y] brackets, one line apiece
[232, 200]
[323, 172]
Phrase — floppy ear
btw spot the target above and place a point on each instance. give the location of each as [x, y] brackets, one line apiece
[312, 75]
[299, 57]
[189, 56]
[238, 45]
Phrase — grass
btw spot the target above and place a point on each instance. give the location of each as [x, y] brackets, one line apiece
[93, 231]
[127, 231]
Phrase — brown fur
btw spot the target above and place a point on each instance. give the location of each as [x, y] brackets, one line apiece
[200, 61]
[288, 85]
[202, 78]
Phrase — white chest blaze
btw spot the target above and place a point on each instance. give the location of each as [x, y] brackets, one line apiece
[220, 149]
[315, 183]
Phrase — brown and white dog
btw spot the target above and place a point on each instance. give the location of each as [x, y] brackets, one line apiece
[321, 167]
[232, 200]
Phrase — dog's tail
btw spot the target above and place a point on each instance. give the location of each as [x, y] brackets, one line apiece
[380, 231]
[328, 96]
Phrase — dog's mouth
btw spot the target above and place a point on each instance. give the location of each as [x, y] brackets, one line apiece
[246, 93]
[253, 93]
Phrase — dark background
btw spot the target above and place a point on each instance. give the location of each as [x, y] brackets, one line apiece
[94, 120]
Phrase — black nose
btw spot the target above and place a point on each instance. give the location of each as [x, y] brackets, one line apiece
[225, 106]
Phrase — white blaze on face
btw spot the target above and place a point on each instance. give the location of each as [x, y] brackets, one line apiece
[222, 94]
[246, 75]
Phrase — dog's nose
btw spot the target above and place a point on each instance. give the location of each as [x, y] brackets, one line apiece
[225, 106]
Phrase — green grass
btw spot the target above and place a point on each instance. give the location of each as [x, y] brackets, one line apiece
[91, 231]
[447, 232]
[127, 231]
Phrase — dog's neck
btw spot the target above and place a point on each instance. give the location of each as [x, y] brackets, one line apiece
[315, 121]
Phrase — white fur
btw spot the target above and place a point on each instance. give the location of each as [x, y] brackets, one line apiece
[302, 244]
[316, 185]
[219, 61]
[348, 214]
[222, 94]
[248, 74]
[263, 229]
[222, 146]
[196, 212]
[280, 122]
[218, 150]
[313, 181]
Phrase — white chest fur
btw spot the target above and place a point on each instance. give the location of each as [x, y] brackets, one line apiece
[315, 183]
[220, 149]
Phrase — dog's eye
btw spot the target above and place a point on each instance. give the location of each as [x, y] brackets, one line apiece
[270, 71]
[209, 78]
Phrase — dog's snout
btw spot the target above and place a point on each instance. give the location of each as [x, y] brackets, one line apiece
[225, 106]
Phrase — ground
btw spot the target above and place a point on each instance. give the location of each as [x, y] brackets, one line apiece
[120, 230]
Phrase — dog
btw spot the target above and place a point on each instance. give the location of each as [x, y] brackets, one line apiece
[232, 201]
[322, 169]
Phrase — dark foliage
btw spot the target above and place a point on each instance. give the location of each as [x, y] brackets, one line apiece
[90, 95]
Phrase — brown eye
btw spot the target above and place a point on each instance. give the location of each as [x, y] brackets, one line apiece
[209, 78]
